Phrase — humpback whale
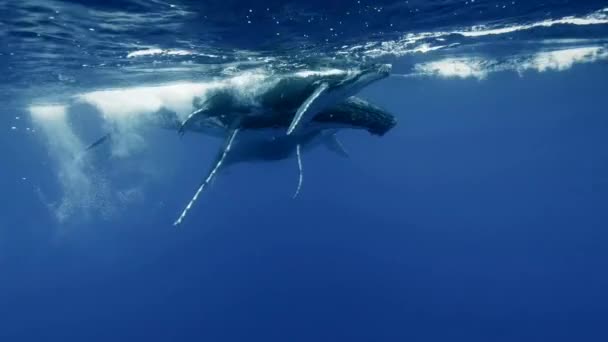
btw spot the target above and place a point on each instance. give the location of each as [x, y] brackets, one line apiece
[299, 97]
[353, 113]
[282, 119]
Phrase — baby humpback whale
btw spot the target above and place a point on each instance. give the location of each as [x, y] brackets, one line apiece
[279, 118]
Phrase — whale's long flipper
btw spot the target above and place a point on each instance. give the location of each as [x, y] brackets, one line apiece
[301, 172]
[333, 144]
[182, 128]
[222, 156]
[304, 110]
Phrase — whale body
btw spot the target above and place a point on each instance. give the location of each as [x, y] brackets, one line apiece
[279, 118]
[296, 113]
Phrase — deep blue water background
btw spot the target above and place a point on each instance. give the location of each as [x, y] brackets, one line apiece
[480, 217]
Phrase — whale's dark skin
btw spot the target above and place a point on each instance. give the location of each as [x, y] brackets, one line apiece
[294, 98]
[353, 113]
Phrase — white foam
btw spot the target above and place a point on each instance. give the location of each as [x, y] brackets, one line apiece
[597, 18]
[134, 102]
[168, 52]
[145, 52]
[122, 103]
[48, 112]
[560, 60]
[454, 68]
[422, 42]
[80, 192]
[477, 67]
[127, 109]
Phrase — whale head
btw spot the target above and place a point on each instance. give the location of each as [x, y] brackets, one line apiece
[375, 72]
[364, 77]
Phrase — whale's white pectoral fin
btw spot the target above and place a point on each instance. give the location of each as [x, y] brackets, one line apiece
[333, 144]
[301, 172]
[185, 123]
[304, 114]
[222, 156]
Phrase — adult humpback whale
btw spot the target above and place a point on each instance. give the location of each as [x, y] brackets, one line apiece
[277, 116]
[276, 145]
[297, 112]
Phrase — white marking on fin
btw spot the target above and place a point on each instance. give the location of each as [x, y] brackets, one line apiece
[209, 178]
[185, 123]
[334, 145]
[303, 110]
[301, 177]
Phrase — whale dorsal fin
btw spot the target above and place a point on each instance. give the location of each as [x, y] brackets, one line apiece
[333, 144]
[301, 172]
[211, 175]
[304, 113]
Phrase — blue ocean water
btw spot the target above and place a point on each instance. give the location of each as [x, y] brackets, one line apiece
[481, 216]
